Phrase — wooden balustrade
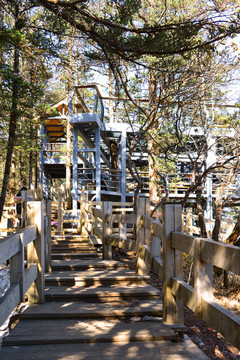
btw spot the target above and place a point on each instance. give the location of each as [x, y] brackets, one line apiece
[159, 247]
[53, 150]
[28, 252]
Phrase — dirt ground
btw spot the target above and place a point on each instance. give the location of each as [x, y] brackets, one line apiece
[207, 339]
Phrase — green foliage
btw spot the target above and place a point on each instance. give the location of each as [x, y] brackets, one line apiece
[25, 30]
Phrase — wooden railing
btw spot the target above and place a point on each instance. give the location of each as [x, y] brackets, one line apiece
[78, 103]
[54, 150]
[159, 247]
[28, 252]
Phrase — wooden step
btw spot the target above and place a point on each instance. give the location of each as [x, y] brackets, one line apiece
[70, 331]
[101, 293]
[71, 242]
[97, 264]
[77, 238]
[83, 310]
[70, 250]
[87, 255]
[164, 350]
[98, 278]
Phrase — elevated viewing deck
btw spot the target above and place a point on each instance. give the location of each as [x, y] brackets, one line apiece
[95, 151]
[98, 153]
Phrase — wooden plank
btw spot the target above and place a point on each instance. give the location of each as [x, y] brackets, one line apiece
[113, 218]
[172, 222]
[102, 293]
[147, 256]
[90, 310]
[30, 234]
[141, 266]
[183, 242]
[122, 218]
[97, 213]
[17, 268]
[29, 277]
[183, 292]
[157, 229]
[92, 331]
[222, 320]
[164, 350]
[107, 231]
[92, 274]
[203, 278]
[60, 210]
[224, 256]
[157, 267]
[98, 232]
[147, 222]
[94, 203]
[9, 301]
[122, 243]
[86, 264]
[89, 208]
[215, 315]
[156, 238]
[36, 254]
[120, 204]
[9, 246]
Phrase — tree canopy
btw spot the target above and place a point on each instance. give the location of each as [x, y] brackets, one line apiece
[132, 29]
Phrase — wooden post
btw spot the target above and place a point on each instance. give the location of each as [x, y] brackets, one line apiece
[141, 265]
[122, 228]
[47, 235]
[106, 230]
[60, 210]
[17, 268]
[155, 244]
[93, 219]
[35, 251]
[203, 278]
[84, 218]
[172, 263]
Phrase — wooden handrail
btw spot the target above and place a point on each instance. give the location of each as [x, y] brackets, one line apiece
[222, 255]
[26, 270]
[10, 245]
[206, 253]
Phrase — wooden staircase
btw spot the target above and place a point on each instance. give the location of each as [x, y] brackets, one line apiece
[94, 309]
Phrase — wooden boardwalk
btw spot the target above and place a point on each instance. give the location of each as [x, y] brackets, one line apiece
[95, 309]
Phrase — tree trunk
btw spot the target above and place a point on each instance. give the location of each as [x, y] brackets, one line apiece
[30, 170]
[199, 209]
[233, 238]
[20, 170]
[13, 186]
[218, 219]
[12, 129]
[36, 172]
